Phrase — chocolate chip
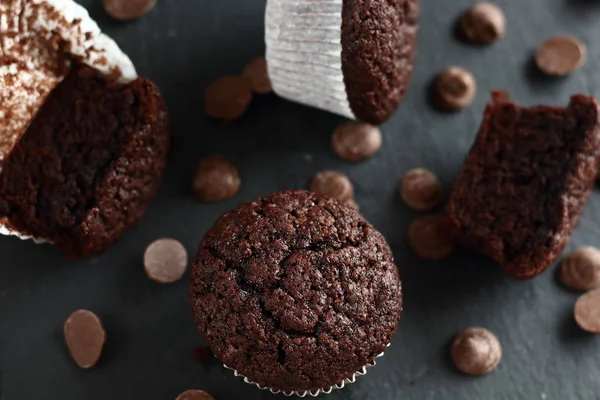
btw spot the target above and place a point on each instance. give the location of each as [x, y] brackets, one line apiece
[333, 184]
[421, 189]
[126, 10]
[228, 98]
[476, 351]
[85, 337]
[483, 23]
[165, 260]
[215, 179]
[203, 354]
[355, 141]
[352, 204]
[560, 55]
[430, 237]
[587, 311]
[453, 89]
[258, 74]
[194, 395]
[580, 270]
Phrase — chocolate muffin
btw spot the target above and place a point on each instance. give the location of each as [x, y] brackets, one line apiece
[89, 162]
[526, 181]
[352, 57]
[296, 292]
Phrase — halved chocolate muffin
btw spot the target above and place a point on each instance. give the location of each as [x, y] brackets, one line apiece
[526, 181]
[83, 143]
[88, 164]
[350, 57]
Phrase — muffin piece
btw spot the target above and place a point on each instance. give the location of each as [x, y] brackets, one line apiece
[526, 181]
[88, 164]
[350, 57]
[295, 291]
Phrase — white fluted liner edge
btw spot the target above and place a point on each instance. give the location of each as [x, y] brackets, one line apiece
[304, 53]
[317, 392]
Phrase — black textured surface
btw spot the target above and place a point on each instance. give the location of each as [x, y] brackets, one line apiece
[183, 45]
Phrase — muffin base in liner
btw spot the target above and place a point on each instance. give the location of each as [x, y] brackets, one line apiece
[314, 392]
[304, 53]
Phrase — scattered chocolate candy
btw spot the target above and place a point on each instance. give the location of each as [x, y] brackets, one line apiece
[203, 354]
[476, 351]
[215, 179]
[228, 98]
[193, 394]
[126, 10]
[421, 189]
[258, 74]
[165, 260]
[580, 270]
[85, 337]
[356, 141]
[587, 311]
[453, 89]
[352, 204]
[333, 184]
[430, 237]
[483, 23]
[560, 55]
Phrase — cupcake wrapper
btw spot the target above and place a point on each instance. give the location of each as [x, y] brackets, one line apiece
[304, 53]
[4, 230]
[316, 392]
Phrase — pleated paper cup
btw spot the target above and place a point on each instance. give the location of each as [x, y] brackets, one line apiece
[304, 53]
[314, 392]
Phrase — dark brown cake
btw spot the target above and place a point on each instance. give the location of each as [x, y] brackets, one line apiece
[88, 164]
[378, 47]
[295, 291]
[526, 181]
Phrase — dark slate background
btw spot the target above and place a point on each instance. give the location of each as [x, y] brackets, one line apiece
[183, 45]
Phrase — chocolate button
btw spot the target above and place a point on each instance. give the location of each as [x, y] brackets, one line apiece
[126, 10]
[587, 311]
[476, 351]
[430, 237]
[453, 89]
[85, 337]
[165, 260]
[352, 204]
[194, 395]
[483, 23]
[258, 75]
[421, 189]
[228, 98]
[560, 55]
[580, 270]
[333, 184]
[215, 179]
[355, 141]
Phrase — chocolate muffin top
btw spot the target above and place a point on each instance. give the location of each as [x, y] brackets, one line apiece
[378, 47]
[295, 291]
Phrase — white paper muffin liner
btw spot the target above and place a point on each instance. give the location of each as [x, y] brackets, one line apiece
[315, 392]
[304, 53]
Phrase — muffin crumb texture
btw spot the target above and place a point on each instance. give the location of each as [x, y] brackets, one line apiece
[295, 291]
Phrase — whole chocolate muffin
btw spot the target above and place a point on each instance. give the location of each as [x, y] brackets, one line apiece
[526, 181]
[91, 159]
[295, 291]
